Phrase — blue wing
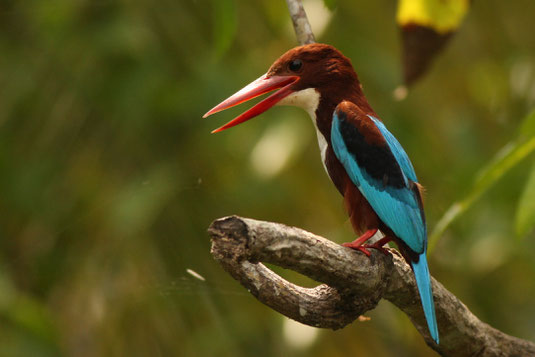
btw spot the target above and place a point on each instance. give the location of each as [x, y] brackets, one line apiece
[377, 164]
[397, 150]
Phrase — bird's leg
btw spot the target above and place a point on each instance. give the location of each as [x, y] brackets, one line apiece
[358, 243]
[379, 244]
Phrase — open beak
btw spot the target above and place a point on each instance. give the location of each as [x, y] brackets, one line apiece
[260, 86]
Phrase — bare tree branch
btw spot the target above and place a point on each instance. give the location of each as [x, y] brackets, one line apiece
[302, 27]
[353, 284]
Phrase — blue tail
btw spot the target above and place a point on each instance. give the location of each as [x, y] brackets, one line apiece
[423, 281]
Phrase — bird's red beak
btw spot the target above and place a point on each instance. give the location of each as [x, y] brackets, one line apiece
[260, 86]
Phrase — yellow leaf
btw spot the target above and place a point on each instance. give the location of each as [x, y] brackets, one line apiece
[441, 15]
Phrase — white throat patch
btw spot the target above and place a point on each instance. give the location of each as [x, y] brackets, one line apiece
[308, 99]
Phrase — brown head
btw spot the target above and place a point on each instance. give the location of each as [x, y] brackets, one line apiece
[318, 66]
[316, 77]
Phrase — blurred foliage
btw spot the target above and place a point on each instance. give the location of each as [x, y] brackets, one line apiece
[224, 24]
[510, 155]
[110, 176]
[525, 216]
[330, 4]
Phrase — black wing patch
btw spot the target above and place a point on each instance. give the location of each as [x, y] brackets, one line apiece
[377, 160]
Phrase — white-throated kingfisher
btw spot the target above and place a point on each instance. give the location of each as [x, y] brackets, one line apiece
[364, 160]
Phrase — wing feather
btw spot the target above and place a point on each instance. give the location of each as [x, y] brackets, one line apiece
[382, 172]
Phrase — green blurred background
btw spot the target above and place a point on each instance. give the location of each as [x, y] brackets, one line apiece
[109, 176]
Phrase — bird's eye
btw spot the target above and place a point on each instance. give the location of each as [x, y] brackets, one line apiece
[295, 65]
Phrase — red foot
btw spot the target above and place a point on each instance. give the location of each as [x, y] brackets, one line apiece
[361, 248]
[358, 244]
[379, 245]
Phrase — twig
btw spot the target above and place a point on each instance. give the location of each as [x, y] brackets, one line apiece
[353, 284]
[302, 27]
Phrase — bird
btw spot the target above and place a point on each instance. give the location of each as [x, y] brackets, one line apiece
[364, 160]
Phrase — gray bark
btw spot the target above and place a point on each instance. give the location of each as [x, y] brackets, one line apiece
[352, 284]
[303, 30]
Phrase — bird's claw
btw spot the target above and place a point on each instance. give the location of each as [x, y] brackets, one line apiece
[364, 247]
[376, 246]
[361, 248]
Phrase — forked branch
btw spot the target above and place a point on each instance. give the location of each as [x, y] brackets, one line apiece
[352, 285]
